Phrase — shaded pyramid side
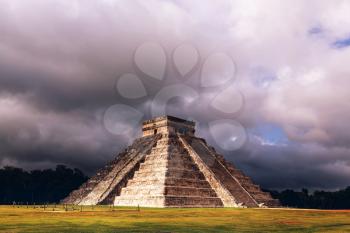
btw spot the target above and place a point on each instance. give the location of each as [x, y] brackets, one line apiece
[216, 168]
[261, 197]
[168, 178]
[108, 181]
[186, 185]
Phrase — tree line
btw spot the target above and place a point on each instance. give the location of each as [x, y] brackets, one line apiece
[38, 186]
[317, 200]
[52, 185]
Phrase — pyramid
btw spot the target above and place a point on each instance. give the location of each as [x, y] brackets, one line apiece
[170, 167]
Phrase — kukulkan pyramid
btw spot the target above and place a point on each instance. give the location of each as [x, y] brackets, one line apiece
[170, 167]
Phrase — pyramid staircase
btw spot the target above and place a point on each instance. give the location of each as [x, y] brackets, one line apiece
[168, 177]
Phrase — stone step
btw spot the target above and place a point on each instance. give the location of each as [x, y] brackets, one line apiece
[252, 190]
[171, 181]
[180, 157]
[244, 179]
[149, 173]
[144, 191]
[261, 195]
[137, 200]
[192, 201]
[157, 157]
[199, 183]
[177, 173]
[189, 191]
[166, 167]
[150, 190]
[154, 163]
[148, 165]
[168, 200]
[251, 187]
[158, 151]
[182, 173]
[185, 166]
[145, 181]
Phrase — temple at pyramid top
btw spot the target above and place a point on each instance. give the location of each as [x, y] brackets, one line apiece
[168, 124]
[170, 167]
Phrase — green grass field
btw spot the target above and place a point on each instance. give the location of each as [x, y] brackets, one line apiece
[106, 219]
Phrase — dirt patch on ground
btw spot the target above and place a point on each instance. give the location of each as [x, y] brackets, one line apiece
[290, 223]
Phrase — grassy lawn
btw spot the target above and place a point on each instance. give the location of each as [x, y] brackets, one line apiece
[105, 219]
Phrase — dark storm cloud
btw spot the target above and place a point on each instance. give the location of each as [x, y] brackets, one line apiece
[294, 166]
[30, 137]
[59, 61]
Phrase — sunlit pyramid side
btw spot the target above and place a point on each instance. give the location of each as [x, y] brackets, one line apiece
[170, 167]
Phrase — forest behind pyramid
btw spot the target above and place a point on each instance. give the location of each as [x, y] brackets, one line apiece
[170, 167]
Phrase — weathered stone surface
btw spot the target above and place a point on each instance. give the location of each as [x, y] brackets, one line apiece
[170, 167]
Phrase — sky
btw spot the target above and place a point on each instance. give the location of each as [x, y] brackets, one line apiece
[266, 81]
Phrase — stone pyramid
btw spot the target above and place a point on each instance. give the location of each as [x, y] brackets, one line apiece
[170, 167]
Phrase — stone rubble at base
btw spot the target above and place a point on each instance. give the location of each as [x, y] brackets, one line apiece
[170, 167]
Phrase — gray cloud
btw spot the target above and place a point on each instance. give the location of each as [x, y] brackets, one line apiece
[59, 62]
